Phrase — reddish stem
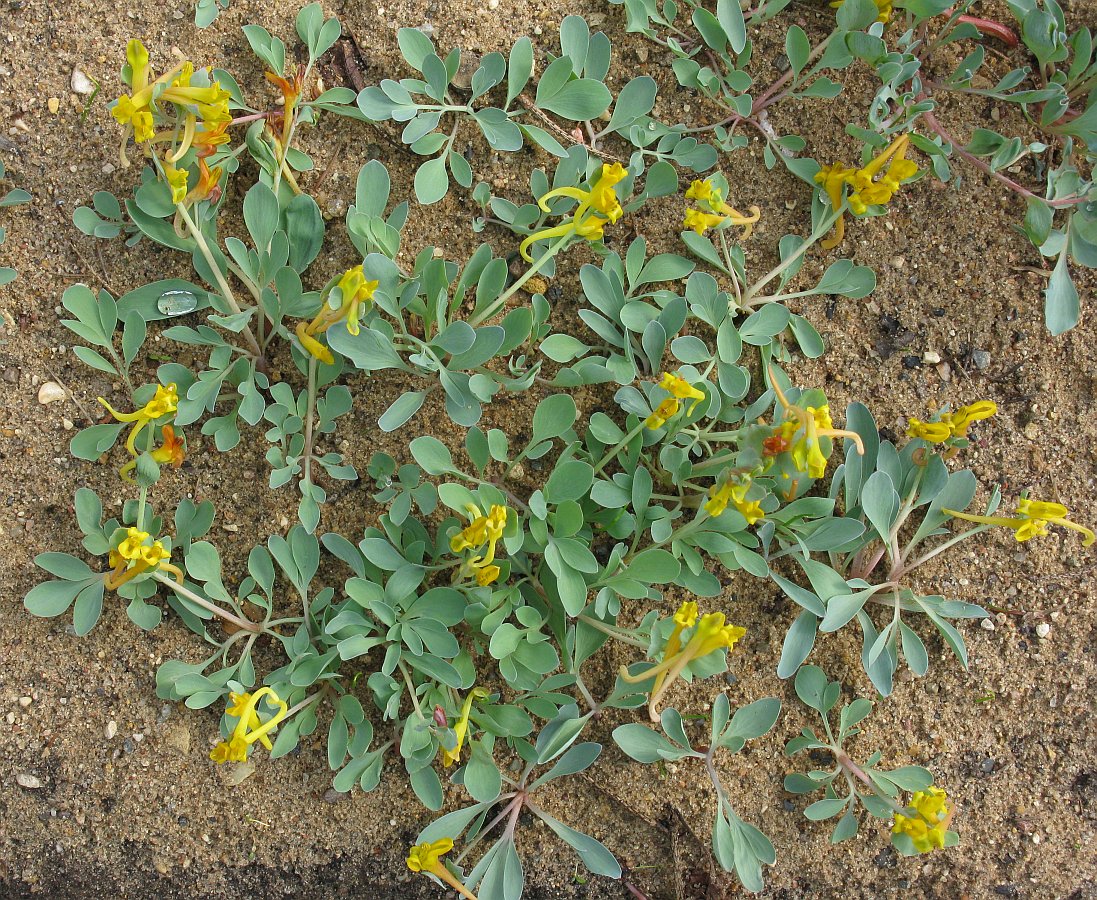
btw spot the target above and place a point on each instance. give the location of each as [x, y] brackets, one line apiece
[1063, 202]
[989, 27]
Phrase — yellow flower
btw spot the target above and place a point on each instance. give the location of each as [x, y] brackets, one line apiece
[427, 857]
[313, 346]
[711, 633]
[1033, 518]
[484, 529]
[232, 750]
[487, 575]
[126, 112]
[700, 222]
[702, 190]
[354, 290]
[138, 59]
[931, 432]
[597, 207]
[871, 185]
[133, 556]
[800, 433]
[927, 827]
[686, 616]
[449, 757]
[668, 409]
[248, 729]
[883, 8]
[681, 389]
[177, 181]
[164, 403]
[718, 212]
[130, 548]
[731, 492]
[960, 421]
[171, 451]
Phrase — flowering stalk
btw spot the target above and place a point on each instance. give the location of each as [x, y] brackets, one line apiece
[427, 858]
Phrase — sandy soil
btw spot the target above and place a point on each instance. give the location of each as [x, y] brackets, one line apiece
[146, 811]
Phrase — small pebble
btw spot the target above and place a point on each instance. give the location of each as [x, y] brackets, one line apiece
[111, 730]
[981, 358]
[50, 392]
[128, 745]
[987, 765]
[53, 104]
[931, 357]
[987, 624]
[25, 702]
[80, 82]
[30, 782]
[911, 362]
[1043, 630]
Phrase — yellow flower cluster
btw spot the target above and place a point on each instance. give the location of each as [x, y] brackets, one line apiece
[927, 827]
[734, 493]
[354, 293]
[164, 403]
[249, 728]
[484, 529]
[134, 555]
[1032, 520]
[951, 425]
[710, 634]
[427, 857]
[871, 185]
[799, 435]
[196, 104]
[715, 212]
[679, 389]
[597, 208]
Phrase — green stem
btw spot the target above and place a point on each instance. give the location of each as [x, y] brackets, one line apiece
[310, 414]
[182, 591]
[499, 301]
[215, 269]
[143, 496]
[611, 631]
[824, 227]
[624, 442]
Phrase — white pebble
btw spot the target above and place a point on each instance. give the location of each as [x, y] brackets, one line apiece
[111, 730]
[30, 782]
[987, 624]
[1043, 630]
[50, 392]
[80, 82]
[931, 357]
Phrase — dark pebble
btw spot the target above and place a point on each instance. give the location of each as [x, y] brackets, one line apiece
[128, 745]
[730, 677]
[788, 806]
[911, 362]
[887, 858]
[988, 765]
[903, 884]
[1005, 890]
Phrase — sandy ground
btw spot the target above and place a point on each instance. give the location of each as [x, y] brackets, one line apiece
[146, 811]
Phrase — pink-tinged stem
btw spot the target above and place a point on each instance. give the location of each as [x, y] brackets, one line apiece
[989, 27]
[1063, 202]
